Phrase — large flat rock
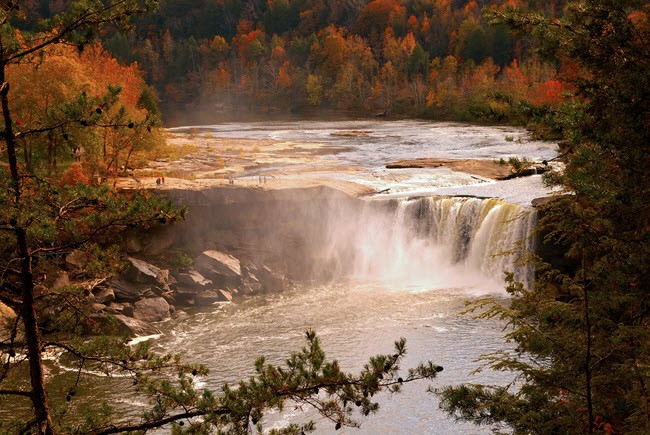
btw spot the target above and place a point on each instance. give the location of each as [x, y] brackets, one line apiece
[220, 268]
[482, 168]
[151, 309]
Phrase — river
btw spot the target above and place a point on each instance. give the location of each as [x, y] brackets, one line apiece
[406, 285]
[405, 288]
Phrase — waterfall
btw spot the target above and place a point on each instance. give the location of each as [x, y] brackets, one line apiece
[433, 241]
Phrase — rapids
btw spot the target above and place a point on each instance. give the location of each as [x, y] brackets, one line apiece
[403, 265]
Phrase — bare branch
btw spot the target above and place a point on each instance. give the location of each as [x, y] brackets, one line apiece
[158, 423]
[16, 393]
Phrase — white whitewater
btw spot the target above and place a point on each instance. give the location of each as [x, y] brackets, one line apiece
[432, 242]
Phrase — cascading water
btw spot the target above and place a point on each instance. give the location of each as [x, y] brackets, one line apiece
[432, 241]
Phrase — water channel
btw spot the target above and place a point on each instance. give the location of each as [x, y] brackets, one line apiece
[412, 278]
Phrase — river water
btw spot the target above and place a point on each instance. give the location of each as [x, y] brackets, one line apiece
[407, 283]
[371, 144]
[413, 282]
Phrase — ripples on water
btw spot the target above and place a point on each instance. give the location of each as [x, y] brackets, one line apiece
[354, 321]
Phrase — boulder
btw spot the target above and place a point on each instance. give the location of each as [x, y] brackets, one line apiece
[208, 297]
[164, 277]
[118, 308]
[104, 295]
[98, 307]
[134, 327]
[272, 282]
[151, 309]
[7, 314]
[225, 295]
[192, 279]
[251, 288]
[61, 281]
[76, 260]
[221, 268]
[119, 324]
[170, 297]
[127, 292]
[142, 272]
[128, 309]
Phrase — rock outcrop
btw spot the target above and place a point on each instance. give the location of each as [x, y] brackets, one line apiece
[151, 309]
[222, 269]
[142, 272]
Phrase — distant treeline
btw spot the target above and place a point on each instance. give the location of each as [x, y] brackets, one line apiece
[434, 58]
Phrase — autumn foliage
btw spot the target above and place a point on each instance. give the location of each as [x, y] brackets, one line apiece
[70, 100]
[433, 58]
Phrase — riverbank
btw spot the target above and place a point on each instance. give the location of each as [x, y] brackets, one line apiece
[265, 205]
[336, 160]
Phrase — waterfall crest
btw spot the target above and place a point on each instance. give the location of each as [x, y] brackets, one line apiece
[432, 241]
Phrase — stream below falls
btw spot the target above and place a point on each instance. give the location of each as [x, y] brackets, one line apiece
[412, 271]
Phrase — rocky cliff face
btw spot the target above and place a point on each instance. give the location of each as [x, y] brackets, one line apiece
[237, 242]
[282, 230]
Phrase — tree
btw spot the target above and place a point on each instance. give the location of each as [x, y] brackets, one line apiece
[42, 218]
[75, 27]
[583, 330]
[314, 89]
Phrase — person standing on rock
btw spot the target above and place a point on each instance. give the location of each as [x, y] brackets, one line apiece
[158, 182]
[163, 180]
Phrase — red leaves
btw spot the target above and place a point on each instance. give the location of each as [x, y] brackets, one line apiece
[549, 92]
[74, 175]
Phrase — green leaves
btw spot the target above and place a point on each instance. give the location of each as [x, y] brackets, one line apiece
[582, 330]
[308, 379]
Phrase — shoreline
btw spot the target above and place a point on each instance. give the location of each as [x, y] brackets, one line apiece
[207, 161]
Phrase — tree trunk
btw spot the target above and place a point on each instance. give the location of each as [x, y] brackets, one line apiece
[39, 394]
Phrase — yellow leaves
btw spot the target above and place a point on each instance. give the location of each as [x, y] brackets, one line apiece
[432, 99]
[408, 43]
[314, 90]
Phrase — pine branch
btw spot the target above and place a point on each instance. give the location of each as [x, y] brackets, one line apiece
[158, 423]
[16, 393]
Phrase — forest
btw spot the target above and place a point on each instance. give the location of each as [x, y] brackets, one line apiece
[408, 58]
[84, 85]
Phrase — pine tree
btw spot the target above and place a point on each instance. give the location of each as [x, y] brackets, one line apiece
[582, 359]
[44, 217]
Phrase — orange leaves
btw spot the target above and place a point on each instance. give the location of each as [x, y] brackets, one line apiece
[334, 51]
[432, 99]
[549, 92]
[221, 76]
[247, 40]
[408, 43]
[99, 65]
[517, 79]
[284, 75]
[74, 175]
[380, 14]
[412, 24]
[278, 53]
